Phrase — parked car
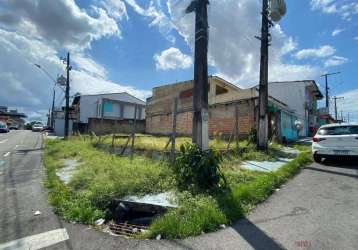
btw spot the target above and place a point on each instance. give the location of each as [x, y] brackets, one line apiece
[37, 127]
[14, 127]
[3, 128]
[335, 140]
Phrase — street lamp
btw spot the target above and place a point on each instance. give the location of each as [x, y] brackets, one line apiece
[59, 82]
[277, 9]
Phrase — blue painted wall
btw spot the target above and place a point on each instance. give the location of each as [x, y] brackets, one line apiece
[288, 128]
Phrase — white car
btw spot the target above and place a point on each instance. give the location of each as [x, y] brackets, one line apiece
[37, 127]
[335, 140]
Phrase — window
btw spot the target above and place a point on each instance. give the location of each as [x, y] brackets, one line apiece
[108, 107]
[220, 90]
[339, 130]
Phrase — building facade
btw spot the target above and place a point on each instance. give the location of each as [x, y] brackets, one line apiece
[228, 104]
[113, 106]
[12, 117]
[301, 98]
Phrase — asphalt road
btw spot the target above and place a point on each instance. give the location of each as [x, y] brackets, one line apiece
[315, 210]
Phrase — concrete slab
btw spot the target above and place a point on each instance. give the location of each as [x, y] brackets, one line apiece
[65, 174]
[163, 199]
[265, 166]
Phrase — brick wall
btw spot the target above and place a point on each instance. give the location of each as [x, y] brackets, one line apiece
[109, 126]
[221, 120]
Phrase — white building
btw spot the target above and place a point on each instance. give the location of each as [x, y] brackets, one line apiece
[113, 106]
[301, 97]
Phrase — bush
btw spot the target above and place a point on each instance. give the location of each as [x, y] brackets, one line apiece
[198, 170]
[194, 216]
[253, 136]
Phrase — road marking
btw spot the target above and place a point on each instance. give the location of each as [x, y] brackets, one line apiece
[7, 154]
[3, 141]
[37, 241]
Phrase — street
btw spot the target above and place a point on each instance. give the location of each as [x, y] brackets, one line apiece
[315, 210]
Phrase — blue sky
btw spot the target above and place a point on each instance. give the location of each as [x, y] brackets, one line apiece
[135, 45]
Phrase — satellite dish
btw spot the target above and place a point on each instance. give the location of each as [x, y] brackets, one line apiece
[277, 9]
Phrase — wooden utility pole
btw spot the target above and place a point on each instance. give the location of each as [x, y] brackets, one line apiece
[67, 95]
[327, 88]
[335, 106]
[262, 136]
[200, 99]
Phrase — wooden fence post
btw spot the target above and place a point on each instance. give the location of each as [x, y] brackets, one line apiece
[237, 127]
[113, 137]
[174, 114]
[133, 130]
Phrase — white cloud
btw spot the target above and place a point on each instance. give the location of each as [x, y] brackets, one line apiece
[156, 15]
[349, 104]
[172, 58]
[335, 61]
[60, 23]
[336, 32]
[85, 83]
[323, 51]
[88, 65]
[346, 9]
[35, 31]
[115, 8]
[233, 49]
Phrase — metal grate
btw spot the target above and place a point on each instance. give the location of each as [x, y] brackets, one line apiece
[126, 229]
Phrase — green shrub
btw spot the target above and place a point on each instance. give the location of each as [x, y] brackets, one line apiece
[252, 138]
[195, 215]
[198, 170]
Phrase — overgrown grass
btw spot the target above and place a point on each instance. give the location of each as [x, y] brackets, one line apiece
[158, 143]
[205, 213]
[102, 177]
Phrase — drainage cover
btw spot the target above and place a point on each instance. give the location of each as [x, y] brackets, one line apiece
[126, 229]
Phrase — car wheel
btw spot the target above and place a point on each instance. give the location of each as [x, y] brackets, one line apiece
[317, 158]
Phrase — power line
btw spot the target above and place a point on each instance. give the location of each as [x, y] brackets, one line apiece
[335, 106]
[327, 87]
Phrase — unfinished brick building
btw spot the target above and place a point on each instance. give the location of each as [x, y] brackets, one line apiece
[223, 98]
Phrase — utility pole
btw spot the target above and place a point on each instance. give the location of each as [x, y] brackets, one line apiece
[52, 121]
[200, 95]
[67, 95]
[327, 87]
[342, 116]
[262, 137]
[335, 106]
[348, 117]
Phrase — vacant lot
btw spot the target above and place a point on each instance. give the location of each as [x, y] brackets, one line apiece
[102, 177]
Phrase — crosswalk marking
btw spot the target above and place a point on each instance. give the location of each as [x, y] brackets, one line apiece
[37, 241]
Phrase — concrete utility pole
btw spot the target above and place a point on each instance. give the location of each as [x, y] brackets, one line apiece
[67, 95]
[200, 99]
[262, 136]
[52, 121]
[327, 87]
[335, 106]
